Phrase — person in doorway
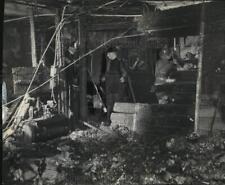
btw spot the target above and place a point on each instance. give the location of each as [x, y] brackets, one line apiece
[114, 76]
[163, 69]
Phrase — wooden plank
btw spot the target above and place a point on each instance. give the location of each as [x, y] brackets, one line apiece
[124, 107]
[200, 66]
[19, 10]
[130, 107]
[173, 4]
[62, 94]
[58, 62]
[33, 40]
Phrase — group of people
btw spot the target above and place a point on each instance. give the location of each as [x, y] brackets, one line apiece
[114, 76]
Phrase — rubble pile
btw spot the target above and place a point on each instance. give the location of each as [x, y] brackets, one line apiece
[115, 156]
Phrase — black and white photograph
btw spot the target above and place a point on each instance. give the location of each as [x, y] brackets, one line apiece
[113, 92]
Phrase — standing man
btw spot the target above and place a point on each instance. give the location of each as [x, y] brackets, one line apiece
[114, 76]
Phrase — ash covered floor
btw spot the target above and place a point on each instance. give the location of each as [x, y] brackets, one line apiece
[115, 156]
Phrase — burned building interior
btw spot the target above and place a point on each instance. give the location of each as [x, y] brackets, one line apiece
[113, 92]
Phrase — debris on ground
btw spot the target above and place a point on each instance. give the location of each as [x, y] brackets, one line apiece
[114, 156]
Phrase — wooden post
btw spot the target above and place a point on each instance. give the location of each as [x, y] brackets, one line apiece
[62, 99]
[83, 71]
[43, 38]
[33, 41]
[59, 100]
[200, 65]
[63, 77]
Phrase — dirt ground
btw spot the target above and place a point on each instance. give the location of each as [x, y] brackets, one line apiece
[114, 156]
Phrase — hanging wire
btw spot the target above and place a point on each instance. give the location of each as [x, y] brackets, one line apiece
[56, 31]
[56, 51]
[35, 73]
[106, 4]
[40, 62]
[75, 61]
[58, 28]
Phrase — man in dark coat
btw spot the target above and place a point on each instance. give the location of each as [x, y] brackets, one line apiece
[114, 76]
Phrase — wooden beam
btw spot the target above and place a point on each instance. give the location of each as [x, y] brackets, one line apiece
[200, 65]
[16, 9]
[27, 17]
[62, 94]
[166, 5]
[33, 40]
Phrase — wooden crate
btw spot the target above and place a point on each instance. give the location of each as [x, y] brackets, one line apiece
[135, 116]
[146, 119]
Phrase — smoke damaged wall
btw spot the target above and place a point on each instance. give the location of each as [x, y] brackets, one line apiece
[16, 44]
[16, 50]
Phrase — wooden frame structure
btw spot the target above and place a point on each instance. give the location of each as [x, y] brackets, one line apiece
[157, 23]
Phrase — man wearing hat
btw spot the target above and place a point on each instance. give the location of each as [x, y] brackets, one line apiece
[114, 76]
